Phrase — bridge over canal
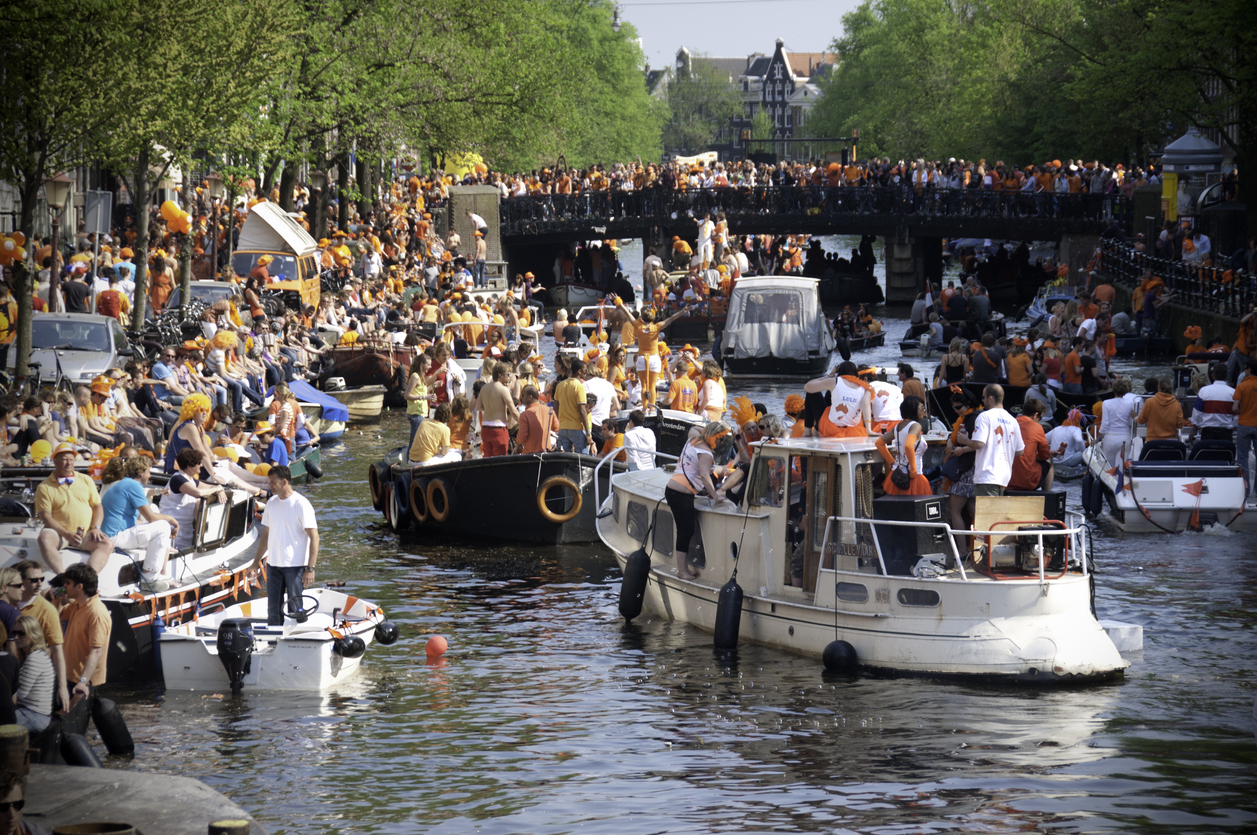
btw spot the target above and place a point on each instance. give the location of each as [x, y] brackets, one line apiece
[913, 222]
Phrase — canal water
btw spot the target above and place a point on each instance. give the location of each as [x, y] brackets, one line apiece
[548, 715]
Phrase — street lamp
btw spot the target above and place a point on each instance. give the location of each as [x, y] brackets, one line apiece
[216, 188]
[57, 195]
[615, 18]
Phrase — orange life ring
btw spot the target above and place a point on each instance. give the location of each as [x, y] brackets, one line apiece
[440, 501]
[419, 500]
[568, 484]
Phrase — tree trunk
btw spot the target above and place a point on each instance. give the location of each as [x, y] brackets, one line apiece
[342, 191]
[363, 174]
[287, 183]
[140, 306]
[22, 279]
[185, 248]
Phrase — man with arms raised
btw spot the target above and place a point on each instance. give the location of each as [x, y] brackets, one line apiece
[290, 542]
[69, 506]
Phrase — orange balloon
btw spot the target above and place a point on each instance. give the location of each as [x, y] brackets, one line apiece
[169, 210]
[437, 646]
[18, 238]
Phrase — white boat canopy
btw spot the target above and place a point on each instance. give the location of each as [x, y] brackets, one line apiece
[268, 228]
[777, 316]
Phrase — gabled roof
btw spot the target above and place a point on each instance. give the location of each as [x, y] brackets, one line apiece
[758, 66]
[731, 67]
[807, 63]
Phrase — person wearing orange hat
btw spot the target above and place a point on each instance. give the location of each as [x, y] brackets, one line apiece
[260, 272]
[68, 504]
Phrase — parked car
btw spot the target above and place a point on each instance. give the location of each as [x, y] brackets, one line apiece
[84, 345]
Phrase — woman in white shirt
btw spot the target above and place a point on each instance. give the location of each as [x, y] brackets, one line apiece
[1116, 419]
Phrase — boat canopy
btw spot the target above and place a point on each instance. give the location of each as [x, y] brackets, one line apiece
[778, 316]
[333, 409]
[268, 228]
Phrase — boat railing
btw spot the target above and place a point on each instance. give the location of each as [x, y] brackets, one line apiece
[612, 454]
[1072, 530]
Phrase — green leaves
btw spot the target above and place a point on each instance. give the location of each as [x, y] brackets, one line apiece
[701, 101]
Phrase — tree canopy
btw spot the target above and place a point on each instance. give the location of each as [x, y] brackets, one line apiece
[701, 102]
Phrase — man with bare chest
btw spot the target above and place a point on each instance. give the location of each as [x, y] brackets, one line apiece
[498, 413]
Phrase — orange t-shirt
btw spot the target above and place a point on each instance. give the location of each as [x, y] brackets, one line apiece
[1072, 361]
[1246, 394]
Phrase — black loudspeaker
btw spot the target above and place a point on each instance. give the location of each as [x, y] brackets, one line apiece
[902, 547]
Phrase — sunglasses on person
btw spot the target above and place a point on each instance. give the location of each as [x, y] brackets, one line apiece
[17, 633]
[39, 581]
[13, 804]
[15, 585]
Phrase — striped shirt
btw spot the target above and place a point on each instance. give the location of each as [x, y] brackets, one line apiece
[35, 683]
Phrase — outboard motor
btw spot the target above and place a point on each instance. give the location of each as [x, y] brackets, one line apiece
[235, 650]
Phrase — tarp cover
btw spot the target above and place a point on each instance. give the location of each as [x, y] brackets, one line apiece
[268, 228]
[777, 317]
[333, 409]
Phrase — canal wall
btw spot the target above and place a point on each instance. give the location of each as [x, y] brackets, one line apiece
[1175, 318]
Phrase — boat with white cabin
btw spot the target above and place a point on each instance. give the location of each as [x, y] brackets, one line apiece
[831, 570]
[775, 328]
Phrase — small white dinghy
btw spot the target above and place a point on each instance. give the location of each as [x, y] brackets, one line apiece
[319, 646]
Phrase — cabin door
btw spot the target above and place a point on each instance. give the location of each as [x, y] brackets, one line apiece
[821, 491]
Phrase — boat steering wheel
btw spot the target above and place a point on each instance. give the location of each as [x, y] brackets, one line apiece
[312, 609]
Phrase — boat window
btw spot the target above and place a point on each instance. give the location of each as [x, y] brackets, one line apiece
[852, 592]
[766, 307]
[768, 482]
[819, 506]
[664, 535]
[638, 521]
[918, 597]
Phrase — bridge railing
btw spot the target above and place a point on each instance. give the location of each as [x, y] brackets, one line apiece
[660, 207]
[1216, 289]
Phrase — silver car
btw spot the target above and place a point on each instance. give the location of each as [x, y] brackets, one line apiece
[85, 345]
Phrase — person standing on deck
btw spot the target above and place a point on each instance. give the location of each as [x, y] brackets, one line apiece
[997, 441]
[646, 333]
[290, 542]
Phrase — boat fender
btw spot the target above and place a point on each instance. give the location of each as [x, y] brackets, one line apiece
[76, 750]
[387, 633]
[235, 650]
[567, 484]
[1095, 503]
[844, 348]
[159, 626]
[419, 500]
[728, 615]
[377, 474]
[388, 505]
[1087, 481]
[314, 469]
[350, 646]
[440, 500]
[633, 589]
[112, 728]
[839, 657]
[401, 498]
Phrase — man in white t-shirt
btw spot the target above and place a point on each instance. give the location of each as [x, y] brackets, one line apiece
[608, 401]
[704, 249]
[1087, 330]
[997, 439]
[639, 442]
[290, 542]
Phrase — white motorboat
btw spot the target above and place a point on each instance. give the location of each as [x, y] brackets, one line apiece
[775, 328]
[217, 570]
[571, 294]
[315, 648]
[830, 572]
[1165, 486]
[364, 403]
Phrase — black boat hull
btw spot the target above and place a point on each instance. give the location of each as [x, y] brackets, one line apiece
[813, 366]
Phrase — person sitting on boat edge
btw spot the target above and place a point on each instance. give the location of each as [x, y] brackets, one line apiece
[639, 440]
[432, 440]
[910, 449]
[184, 491]
[124, 504]
[839, 406]
[273, 450]
[1033, 467]
[693, 475]
[612, 439]
[290, 543]
[1067, 441]
[69, 505]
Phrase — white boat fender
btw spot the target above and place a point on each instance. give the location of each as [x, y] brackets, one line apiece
[387, 633]
[76, 750]
[235, 650]
[729, 608]
[112, 728]
[314, 469]
[839, 657]
[349, 646]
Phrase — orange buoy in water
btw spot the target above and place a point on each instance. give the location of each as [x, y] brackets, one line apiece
[437, 646]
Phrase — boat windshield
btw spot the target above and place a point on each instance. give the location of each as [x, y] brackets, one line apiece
[283, 268]
[69, 335]
[784, 307]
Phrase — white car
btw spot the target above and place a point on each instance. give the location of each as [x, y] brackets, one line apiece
[83, 345]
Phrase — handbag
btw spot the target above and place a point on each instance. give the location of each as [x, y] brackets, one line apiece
[900, 479]
[951, 469]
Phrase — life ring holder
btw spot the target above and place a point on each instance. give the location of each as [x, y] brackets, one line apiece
[559, 481]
